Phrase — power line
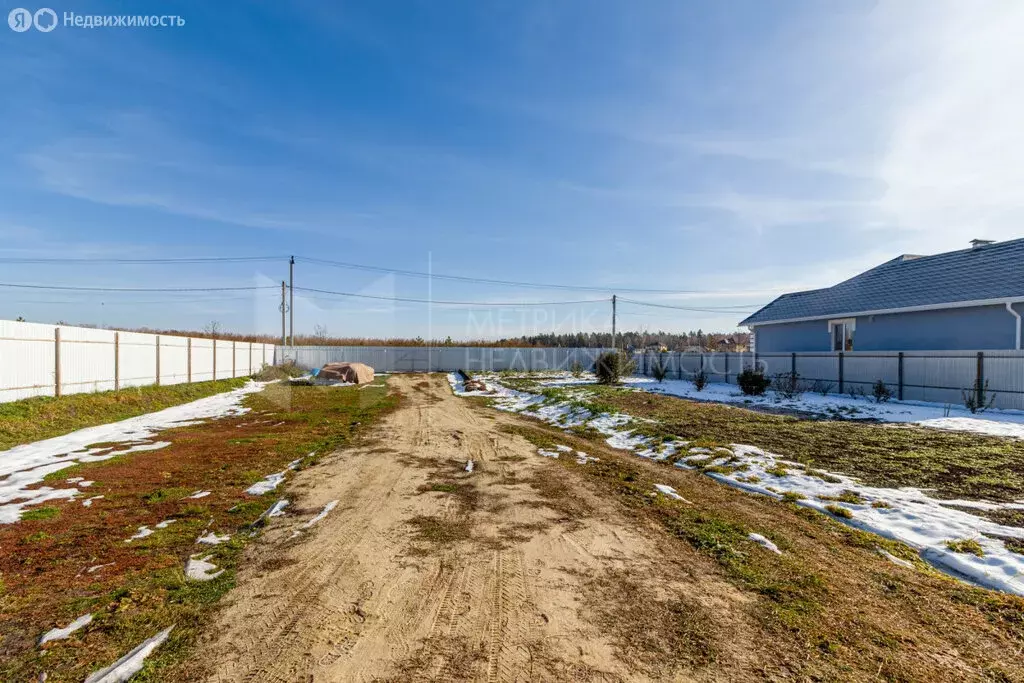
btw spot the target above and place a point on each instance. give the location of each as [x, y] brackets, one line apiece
[478, 304]
[363, 267]
[721, 309]
[150, 261]
[514, 283]
[137, 289]
[132, 302]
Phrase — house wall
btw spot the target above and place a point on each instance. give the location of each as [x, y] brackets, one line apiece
[980, 328]
[806, 336]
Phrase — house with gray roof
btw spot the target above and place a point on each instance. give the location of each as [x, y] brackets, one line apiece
[971, 299]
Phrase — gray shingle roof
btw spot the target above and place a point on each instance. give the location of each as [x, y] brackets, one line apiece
[992, 271]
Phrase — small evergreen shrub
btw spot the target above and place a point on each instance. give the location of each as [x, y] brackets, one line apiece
[978, 401]
[880, 392]
[700, 380]
[753, 382]
[612, 366]
[659, 368]
[576, 369]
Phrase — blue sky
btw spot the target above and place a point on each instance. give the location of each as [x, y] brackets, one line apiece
[731, 150]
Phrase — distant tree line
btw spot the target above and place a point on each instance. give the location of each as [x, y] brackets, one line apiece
[668, 341]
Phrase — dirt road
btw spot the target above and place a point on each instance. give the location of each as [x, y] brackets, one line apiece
[427, 571]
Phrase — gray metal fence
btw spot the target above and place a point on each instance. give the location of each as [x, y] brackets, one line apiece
[442, 358]
[933, 376]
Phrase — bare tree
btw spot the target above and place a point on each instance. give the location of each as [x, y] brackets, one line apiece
[212, 328]
[320, 333]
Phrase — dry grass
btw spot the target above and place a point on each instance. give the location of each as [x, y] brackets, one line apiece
[956, 464]
[658, 634]
[145, 589]
[828, 608]
[33, 419]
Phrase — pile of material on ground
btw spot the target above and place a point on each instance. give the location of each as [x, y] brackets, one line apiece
[475, 385]
[270, 373]
[470, 384]
[351, 373]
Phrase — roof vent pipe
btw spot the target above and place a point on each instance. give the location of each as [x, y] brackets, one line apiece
[977, 244]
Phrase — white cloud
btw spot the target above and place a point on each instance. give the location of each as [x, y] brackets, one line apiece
[954, 167]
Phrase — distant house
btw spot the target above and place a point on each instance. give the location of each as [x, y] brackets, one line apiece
[655, 347]
[971, 299]
[730, 344]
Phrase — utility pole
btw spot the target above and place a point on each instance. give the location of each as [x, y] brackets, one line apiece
[291, 302]
[615, 344]
[284, 308]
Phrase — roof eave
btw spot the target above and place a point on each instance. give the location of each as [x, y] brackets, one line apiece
[886, 311]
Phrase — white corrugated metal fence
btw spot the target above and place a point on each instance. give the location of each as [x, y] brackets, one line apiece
[48, 360]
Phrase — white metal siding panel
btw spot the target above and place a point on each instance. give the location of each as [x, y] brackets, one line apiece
[86, 360]
[202, 360]
[223, 359]
[26, 360]
[173, 360]
[138, 359]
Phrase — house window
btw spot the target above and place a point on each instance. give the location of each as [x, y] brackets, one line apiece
[842, 334]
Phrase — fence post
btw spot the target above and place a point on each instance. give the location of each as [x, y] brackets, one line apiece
[56, 361]
[234, 352]
[117, 361]
[679, 363]
[899, 393]
[250, 358]
[792, 365]
[214, 359]
[841, 357]
[979, 385]
[726, 367]
[158, 360]
[189, 360]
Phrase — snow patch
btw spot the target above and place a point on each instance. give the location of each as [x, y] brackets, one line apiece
[667, 490]
[895, 560]
[275, 510]
[145, 531]
[200, 569]
[88, 501]
[129, 665]
[761, 540]
[320, 515]
[62, 633]
[1006, 423]
[469, 466]
[267, 484]
[272, 481]
[27, 465]
[199, 494]
[213, 539]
